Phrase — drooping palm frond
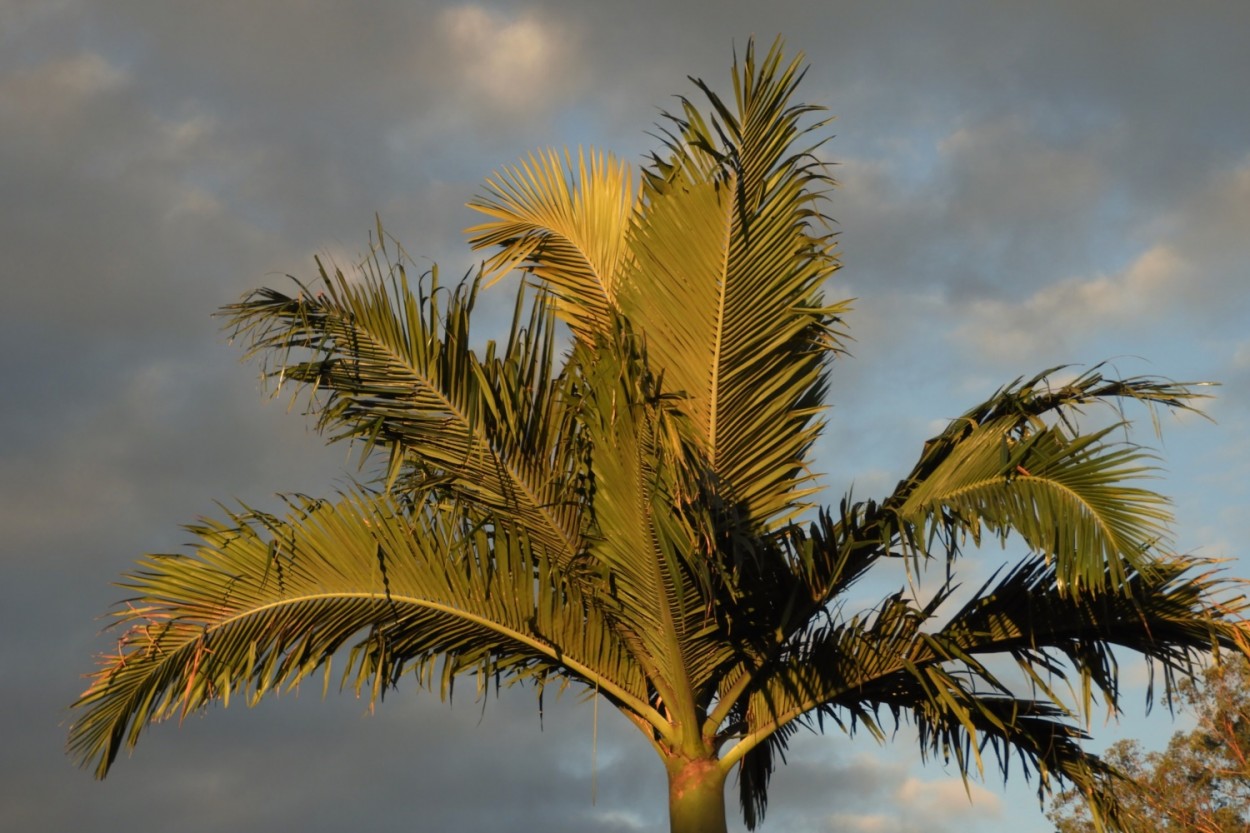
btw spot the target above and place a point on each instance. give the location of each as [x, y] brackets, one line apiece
[958, 726]
[568, 225]
[761, 714]
[1068, 497]
[1063, 645]
[265, 603]
[1173, 616]
[1017, 463]
[387, 366]
[755, 772]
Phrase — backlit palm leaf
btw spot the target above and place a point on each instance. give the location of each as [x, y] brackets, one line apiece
[727, 286]
[1016, 463]
[1065, 496]
[648, 552]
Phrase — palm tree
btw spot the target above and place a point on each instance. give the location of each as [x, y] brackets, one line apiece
[634, 512]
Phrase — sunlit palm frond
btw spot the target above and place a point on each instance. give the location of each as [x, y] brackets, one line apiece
[727, 286]
[1016, 463]
[1065, 496]
[265, 603]
[647, 552]
[567, 224]
[675, 295]
[391, 368]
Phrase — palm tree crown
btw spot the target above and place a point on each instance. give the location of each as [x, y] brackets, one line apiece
[634, 512]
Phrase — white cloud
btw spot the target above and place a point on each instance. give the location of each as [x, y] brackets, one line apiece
[920, 805]
[515, 63]
[948, 799]
[1063, 312]
[482, 76]
[861, 822]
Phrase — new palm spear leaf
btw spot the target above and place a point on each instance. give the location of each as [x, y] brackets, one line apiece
[634, 512]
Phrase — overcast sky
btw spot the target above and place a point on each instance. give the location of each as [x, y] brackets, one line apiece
[1022, 185]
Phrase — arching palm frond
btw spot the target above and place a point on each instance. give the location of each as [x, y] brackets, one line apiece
[265, 603]
[391, 368]
[937, 677]
[790, 692]
[958, 726]
[1172, 616]
[1016, 463]
[568, 225]
[1065, 496]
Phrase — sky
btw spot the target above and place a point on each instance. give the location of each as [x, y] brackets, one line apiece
[1022, 185]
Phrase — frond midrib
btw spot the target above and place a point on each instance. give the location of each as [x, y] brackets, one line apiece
[1103, 524]
[548, 649]
[719, 333]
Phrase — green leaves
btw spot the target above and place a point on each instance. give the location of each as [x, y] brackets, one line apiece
[1017, 463]
[729, 271]
[264, 603]
[569, 230]
[389, 367]
[623, 512]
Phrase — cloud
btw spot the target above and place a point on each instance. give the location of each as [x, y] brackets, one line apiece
[517, 64]
[949, 799]
[1189, 271]
[1049, 323]
[492, 84]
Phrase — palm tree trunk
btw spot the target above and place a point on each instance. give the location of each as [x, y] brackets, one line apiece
[696, 796]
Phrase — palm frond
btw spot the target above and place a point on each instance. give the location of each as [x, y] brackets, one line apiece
[265, 603]
[1067, 497]
[755, 772]
[388, 367]
[725, 242]
[1017, 463]
[566, 223]
[647, 552]
[849, 672]
[1174, 616]
[957, 725]
[820, 666]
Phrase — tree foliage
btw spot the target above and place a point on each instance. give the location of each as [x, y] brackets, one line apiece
[1200, 783]
[635, 511]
